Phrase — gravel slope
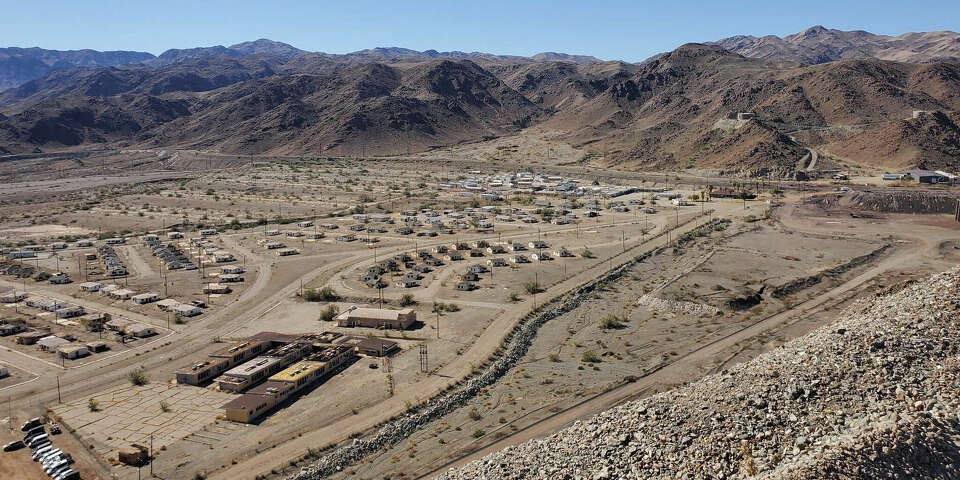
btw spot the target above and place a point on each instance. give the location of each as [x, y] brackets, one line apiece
[874, 395]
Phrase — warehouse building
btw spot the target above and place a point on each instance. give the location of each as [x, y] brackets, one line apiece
[259, 400]
[222, 360]
[377, 318]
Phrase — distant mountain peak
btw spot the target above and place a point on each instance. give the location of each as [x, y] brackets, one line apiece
[265, 46]
[819, 44]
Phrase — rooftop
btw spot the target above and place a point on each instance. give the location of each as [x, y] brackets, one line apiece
[297, 371]
[252, 366]
[244, 402]
[379, 313]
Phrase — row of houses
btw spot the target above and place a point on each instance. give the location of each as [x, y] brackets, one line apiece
[167, 305]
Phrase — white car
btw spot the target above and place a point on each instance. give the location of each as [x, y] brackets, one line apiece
[42, 451]
[58, 465]
[69, 474]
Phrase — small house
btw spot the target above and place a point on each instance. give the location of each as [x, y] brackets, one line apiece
[406, 283]
[140, 330]
[477, 268]
[69, 312]
[469, 277]
[97, 346]
[497, 262]
[186, 310]
[541, 257]
[145, 298]
[29, 338]
[466, 286]
[51, 343]
[116, 324]
[216, 288]
[71, 352]
[91, 286]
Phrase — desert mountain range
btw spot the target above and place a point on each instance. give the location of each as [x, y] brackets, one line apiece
[850, 95]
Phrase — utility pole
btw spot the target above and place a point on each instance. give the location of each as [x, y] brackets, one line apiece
[59, 398]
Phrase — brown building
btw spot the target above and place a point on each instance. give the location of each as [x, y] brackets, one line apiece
[378, 318]
[370, 346]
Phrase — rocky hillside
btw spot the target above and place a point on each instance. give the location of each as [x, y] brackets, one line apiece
[20, 65]
[668, 113]
[820, 45]
[874, 395]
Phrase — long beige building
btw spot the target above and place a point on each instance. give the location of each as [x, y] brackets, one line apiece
[378, 318]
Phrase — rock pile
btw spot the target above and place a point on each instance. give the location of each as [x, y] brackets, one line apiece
[874, 395]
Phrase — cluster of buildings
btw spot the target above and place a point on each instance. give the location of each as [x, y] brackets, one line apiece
[116, 292]
[922, 176]
[112, 264]
[495, 187]
[269, 368]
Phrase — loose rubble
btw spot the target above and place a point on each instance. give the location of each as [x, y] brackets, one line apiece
[874, 395]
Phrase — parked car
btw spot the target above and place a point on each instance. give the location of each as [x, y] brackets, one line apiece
[17, 445]
[69, 474]
[30, 424]
[54, 429]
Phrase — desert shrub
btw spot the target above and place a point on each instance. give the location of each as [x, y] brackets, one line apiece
[407, 300]
[328, 313]
[475, 414]
[138, 377]
[590, 357]
[532, 287]
[612, 321]
[325, 294]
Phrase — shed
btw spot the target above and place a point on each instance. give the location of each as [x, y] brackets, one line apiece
[51, 343]
[145, 298]
[97, 346]
[29, 338]
[185, 310]
[140, 330]
[71, 352]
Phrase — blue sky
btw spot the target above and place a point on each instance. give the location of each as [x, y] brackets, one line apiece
[621, 30]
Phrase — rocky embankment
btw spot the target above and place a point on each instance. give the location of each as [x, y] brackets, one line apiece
[874, 395]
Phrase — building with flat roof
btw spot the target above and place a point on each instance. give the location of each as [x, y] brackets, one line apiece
[242, 351]
[264, 397]
[378, 318]
[200, 372]
[371, 346]
[242, 377]
[247, 408]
